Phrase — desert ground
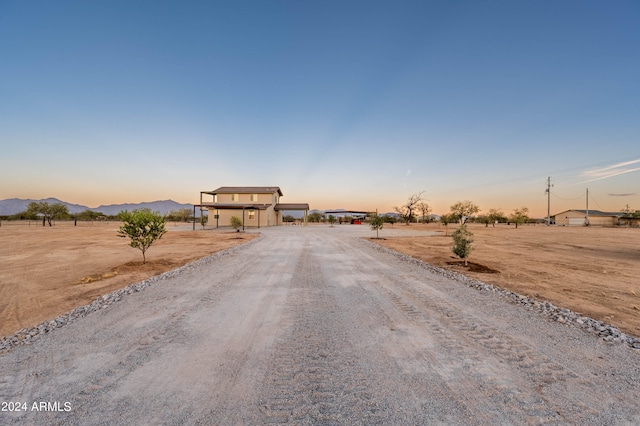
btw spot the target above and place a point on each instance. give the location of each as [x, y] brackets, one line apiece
[46, 271]
[594, 271]
[315, 325]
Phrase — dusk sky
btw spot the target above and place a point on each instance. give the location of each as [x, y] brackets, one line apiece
[343, 104]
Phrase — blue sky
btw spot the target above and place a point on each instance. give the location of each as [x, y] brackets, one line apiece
[342, 104]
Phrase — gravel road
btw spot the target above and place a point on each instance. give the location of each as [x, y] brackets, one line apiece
[314, 326]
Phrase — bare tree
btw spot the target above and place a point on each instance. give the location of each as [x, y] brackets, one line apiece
[406, 210]
[425, 209]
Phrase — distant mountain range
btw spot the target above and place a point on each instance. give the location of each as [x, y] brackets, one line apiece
[12, 206]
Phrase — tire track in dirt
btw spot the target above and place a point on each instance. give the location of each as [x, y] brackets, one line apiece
[515, 379]
[316, 377]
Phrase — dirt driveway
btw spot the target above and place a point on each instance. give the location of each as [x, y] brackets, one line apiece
[314, 326]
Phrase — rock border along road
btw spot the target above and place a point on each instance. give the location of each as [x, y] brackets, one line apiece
[315, 326]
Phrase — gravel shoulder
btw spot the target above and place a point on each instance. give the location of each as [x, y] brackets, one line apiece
[315, 326]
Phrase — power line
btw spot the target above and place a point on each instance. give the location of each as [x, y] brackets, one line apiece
[594, 200]
[549, 200]
[568, 199]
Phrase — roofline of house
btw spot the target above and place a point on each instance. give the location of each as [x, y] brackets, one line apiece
[245, 190]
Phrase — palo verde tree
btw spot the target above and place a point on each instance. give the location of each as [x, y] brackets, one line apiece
[143, 227]
[406, 211]
[376, 223]
[462, 210]
[462, 242]
[519, 216]
[46, 210]
[331, 220]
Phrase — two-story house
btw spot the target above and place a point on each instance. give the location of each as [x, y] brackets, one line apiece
[256, 205]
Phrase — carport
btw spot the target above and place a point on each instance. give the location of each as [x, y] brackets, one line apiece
[293, 206]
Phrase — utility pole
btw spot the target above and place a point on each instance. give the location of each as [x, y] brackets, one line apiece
[548, 191]
[587, 207]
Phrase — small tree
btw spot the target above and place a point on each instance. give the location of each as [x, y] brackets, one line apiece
[314, 217]
[462, 240]
[407, 210]
[519, 216]
[484, 219]
[445, 220]
[390, 219]
[331, 219]
[496, 215]
[462, 210]
[143, 227]
[376, 223]
[46, 210]
[236, 223]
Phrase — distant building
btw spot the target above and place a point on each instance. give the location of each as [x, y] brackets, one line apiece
[596, 218]
[256, 205]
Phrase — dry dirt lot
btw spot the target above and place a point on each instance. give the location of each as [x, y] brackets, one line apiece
[317, 326]
[593, 271]
[46, 271]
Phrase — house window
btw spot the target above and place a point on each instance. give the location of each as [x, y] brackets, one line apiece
[252, 214]
[234, 197]
[254, 197]
[215, 198]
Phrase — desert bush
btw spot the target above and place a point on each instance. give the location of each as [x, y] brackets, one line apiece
[462, 242]
[236, 223]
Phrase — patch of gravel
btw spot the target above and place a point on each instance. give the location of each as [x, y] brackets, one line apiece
[607, 332]
[27, 336]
